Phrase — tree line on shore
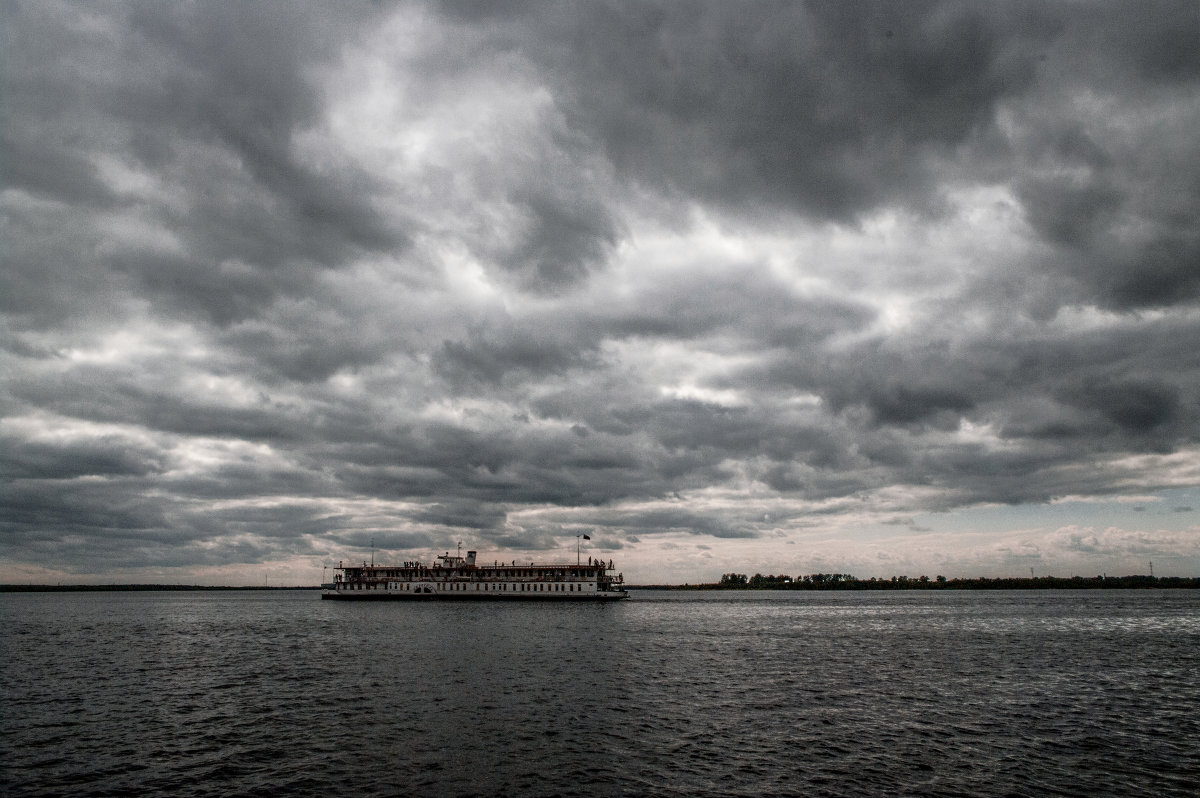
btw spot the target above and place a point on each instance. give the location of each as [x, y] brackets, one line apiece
[735, 581]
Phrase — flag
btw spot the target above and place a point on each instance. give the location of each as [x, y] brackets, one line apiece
[587, 537]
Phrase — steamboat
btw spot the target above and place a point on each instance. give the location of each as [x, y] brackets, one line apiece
[453, 576]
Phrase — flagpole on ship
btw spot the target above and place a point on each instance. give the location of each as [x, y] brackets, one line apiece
[577, 540]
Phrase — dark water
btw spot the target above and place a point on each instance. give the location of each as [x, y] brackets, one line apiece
[689, 694]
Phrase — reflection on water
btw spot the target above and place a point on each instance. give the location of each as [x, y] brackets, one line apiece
[669, 693]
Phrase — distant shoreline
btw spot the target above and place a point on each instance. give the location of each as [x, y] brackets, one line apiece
[139, 587]
[739, 582]
[843, 582]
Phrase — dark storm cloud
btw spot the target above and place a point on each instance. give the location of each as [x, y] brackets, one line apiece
[1135, 406]
[658, 521]
[463, 514]
[281, 278]
[24, 459]
[99, 394]
[828, 108]
[836, 109]
[387, 539]
[744, 307]
[566, 237]
[209, 102]
[488, 356]
[1120, 209]
[45, 511]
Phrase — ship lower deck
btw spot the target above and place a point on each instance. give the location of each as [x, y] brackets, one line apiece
[398, 595]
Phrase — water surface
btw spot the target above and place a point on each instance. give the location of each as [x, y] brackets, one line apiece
[691, 694]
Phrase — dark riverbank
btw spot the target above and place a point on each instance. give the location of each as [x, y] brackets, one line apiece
[108, 588]
[847, 582]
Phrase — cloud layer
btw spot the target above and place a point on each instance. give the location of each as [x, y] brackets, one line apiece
[694, 278]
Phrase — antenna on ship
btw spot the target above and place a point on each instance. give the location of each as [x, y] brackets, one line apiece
[372, 552]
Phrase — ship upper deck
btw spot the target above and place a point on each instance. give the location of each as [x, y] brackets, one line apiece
[513, 570]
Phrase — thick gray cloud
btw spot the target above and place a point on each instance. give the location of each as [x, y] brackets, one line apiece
[282, 279]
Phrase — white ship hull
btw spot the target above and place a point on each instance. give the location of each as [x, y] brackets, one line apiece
[444, 594]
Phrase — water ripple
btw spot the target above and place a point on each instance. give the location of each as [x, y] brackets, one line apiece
[978, 694]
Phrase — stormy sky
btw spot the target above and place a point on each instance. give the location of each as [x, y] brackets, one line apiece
[887, 288]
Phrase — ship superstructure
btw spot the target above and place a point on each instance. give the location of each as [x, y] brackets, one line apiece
[453, 576]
